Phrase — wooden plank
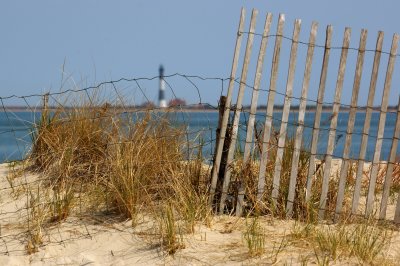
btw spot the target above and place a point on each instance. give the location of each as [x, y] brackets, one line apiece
[397, 212]
[389, 170]
[236, 117]
[381, 126]
[396, 138]
[302, 112]
[350, 124]
[332, 129]
[220, 141]
[367, 121]
[270, 108]
[253, 109]
[285, 112]
[318, 112]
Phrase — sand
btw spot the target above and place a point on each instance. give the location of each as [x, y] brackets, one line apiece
[111, 240]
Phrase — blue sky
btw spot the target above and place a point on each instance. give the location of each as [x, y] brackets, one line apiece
[104, 40]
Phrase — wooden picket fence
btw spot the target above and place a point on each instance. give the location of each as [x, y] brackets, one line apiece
[298, 137]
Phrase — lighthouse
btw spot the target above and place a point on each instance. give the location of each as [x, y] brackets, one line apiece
[161, 95]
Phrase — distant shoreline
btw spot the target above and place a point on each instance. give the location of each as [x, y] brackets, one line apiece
[201, 109]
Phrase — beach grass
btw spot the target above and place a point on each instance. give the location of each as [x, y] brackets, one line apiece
[94, 159]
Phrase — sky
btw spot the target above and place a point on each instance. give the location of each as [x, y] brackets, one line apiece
[55, 45]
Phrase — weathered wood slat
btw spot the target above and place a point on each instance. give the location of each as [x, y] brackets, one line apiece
[332, 129]
[270, 109]
[389, 170]
[381, 126]
[225, 118]
[318, 112]
[236, 117]
[285, 112]
[367, 121]
[300, 128]
[350, 125]
[253, 109]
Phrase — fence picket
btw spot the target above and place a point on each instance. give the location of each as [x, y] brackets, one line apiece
[270, 109]
[332, 128]
[367, 122]
[286, 110]
[300, 128]
[236, 117]
[225, 117]
[391, 161]
[350, 125]
[253, 109]
[381, 126]
[318, 112]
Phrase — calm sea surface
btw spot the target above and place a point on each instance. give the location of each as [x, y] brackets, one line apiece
[16, 128]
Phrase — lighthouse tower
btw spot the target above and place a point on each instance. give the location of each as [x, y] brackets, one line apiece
[161, 95]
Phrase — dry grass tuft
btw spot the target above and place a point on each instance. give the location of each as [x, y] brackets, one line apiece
[254, 237]
[302, 210]
[366, 241]
[105, 160]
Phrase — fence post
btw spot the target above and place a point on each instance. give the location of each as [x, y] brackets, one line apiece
[225, 117]
[227, 139]
[236, 116]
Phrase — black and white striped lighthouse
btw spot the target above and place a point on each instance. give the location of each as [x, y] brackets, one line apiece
[161, 95]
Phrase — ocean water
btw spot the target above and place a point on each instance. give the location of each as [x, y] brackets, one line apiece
[16, 129]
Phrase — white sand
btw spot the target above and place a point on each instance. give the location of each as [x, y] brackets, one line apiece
[105, 241]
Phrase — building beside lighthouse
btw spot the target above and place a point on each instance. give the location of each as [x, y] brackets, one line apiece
[162, 103]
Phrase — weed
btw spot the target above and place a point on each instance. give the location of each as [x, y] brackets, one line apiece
[369, 241]
[38, 213]
[62, 202]
[171, 236]
[254, 237]
[278, 249]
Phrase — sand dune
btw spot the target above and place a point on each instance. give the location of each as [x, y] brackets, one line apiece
[111, 240]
